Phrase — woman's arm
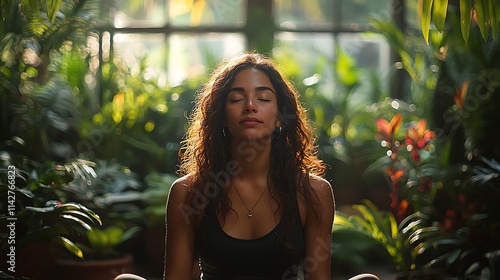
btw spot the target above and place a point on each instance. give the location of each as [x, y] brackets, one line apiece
[180, 234]
[318, 232]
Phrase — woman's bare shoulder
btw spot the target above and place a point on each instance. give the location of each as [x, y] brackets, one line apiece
[320, 184]
[180, 188]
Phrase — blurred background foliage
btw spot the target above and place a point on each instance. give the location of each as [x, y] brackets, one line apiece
[112, 83]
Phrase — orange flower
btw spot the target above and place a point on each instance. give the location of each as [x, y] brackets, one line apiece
[418, 135]
[459, 97]
[387, 129]
[402, 209]
[394, 174]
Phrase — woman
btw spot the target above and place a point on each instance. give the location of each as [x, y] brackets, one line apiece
[250, 202]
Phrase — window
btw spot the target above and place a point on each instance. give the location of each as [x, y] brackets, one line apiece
[185, 38]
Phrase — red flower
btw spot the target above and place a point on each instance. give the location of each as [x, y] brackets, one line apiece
[395, 175]
[418, 137]
[387, 129]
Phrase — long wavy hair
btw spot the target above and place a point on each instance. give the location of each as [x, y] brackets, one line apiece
[205, 153]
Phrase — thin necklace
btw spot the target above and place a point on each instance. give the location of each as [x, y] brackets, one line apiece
[250, 214]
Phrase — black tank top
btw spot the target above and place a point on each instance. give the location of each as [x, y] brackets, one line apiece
[223, 257]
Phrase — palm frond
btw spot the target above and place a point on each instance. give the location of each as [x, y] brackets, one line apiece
[485, 174]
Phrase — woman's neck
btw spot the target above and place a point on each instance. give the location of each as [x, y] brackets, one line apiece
[253, 158]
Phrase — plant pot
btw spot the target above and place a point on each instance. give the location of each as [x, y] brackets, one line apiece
[95, 270]
[34, 261]
[436, 274]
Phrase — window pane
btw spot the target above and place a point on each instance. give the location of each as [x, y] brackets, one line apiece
[207, 12]
[370, 51]
[372, 55]
[300, 13]
[132, 13]
[355, 14]
[307, 57]
[132, 48]
[194, 54]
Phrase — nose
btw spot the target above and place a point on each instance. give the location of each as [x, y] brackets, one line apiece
[250, 106]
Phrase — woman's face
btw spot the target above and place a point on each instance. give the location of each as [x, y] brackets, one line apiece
[251, 106]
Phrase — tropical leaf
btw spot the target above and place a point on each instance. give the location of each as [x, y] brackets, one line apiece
[425, 7]
[439, 12]
[465, 18]
[485, 174]
[70, 246]
[52, 7]
[486, 12]
[481, 8]
[494, 17]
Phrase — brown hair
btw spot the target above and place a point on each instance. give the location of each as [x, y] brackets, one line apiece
[205, 154]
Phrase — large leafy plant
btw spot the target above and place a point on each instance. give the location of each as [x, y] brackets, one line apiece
[40, 210]
[483, 13]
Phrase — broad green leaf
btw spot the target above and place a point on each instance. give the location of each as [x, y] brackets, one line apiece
[482, 14]
[465, 8]
[425, 18]
[439, 12]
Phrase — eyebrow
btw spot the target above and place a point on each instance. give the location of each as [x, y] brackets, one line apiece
[260, 88]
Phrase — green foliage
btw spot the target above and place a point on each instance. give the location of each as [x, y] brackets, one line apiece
[42, 213]
[155, 196]
[102, 242]
[485, 12]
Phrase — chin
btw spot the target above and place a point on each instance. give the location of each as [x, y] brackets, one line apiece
[255, 138]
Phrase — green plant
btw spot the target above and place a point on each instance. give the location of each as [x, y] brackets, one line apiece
[40, 212]
[113, 191]
[154, 198]
[405, 242]
[439, 160]
[38, 103]
[484, 13]
[101, 244]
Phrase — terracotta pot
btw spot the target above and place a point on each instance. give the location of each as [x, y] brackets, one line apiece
[34, 261]
[95, 270]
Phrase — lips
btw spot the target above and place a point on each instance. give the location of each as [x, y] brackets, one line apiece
[250, 121]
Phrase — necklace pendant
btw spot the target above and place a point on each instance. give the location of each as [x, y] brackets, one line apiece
[250, 214]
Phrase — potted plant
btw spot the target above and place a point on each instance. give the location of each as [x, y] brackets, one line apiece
[154, 198]
[441, 161]
[442, 219]
[100, 258]
[39, 218]
[114, 193]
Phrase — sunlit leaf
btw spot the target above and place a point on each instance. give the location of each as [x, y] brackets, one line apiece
[439, 12]
[481, 7]
[425, 17]
[465, 18]
[70, 246]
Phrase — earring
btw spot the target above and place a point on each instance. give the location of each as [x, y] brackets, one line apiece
[279, 132]
[224, 132]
